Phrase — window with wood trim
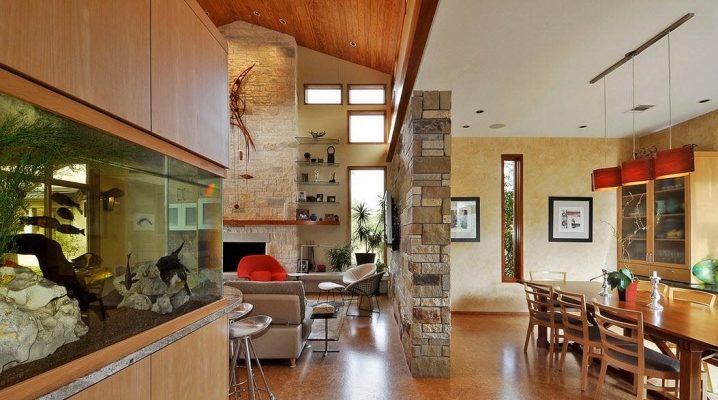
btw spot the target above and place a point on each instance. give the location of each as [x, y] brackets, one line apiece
[329, 94]
[366, 94]
[367, 126]
[511, 217]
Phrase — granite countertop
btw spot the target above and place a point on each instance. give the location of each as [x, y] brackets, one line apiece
[116, 366]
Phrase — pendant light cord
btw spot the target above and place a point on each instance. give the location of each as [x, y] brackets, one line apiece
[605, 125]
[633, 96]
[670, 103]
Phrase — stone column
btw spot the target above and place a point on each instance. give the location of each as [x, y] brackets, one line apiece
[419, 178]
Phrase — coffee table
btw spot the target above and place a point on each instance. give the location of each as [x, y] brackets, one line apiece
[326, 340]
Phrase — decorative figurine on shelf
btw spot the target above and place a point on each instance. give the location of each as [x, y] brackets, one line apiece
[307, 156]
[330, 154]
[655, 293]
[331, 179]
[316, 175]
[305, 177]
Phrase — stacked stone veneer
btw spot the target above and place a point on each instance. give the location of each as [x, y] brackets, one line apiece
[271, 117]
[419, 178]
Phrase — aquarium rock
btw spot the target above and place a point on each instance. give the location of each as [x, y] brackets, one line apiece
[162, 305]
[179, 299]
[137, 301]
[36, 317]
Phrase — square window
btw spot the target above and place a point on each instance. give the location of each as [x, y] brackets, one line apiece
[323, 94]
[367, 127]
[367, 94]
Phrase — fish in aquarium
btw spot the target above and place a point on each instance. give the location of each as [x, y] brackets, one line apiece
[65, 200]
[171, 265]
[42, 221]
[129, 276]
[87, 260]
[70, 230]
[114, 192]
[65, 213]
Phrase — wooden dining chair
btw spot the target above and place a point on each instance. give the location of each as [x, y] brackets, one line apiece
[577, 329]
[624, 349]
[645, 286]
[694, 296]
[541, 303]
[548, 276]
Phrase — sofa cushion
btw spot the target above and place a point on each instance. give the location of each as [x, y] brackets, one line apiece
[279, 276]
[287, 287]
[262, 276]
[283, 308]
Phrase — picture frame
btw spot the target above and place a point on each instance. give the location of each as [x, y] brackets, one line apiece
[302, 265]
[465, 221]
[570, 219]
[302, 214]
[320, 197]
[331, 199]
[302, 196]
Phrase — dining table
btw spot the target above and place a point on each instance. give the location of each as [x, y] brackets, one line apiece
[692, 327]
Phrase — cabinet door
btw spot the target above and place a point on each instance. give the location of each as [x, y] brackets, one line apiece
[96, 51]
[670, 222]
[634, 224]
[189, 82]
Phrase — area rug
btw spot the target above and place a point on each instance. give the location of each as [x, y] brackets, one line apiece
[335, 324]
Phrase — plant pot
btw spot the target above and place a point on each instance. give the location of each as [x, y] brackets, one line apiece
[629, 294]
[365, 258]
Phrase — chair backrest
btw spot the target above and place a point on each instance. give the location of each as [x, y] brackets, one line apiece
[553, 276]
[358, 273]
[694, 296]
[262, 262]
[645, 286]
[539, 299]
[368, 286]
[622, 347]
[574, 315]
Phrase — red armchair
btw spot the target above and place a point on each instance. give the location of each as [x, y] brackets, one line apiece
[261, 268]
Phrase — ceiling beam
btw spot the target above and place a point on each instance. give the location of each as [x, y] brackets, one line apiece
[414, 35]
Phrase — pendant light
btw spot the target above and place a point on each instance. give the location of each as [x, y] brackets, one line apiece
[605, 178]
[637, 171]
[673, 162]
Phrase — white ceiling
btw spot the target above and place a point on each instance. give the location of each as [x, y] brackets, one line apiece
[528, 63]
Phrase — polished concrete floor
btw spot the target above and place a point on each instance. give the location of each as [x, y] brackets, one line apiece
[487, 362]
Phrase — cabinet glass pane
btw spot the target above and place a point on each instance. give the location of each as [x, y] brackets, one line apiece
[634, 222]
[670, 221]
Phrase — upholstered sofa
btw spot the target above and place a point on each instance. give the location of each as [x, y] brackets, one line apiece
[291, 325]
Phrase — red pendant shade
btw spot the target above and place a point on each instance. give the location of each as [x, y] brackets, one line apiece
[605, 178]
[636, 172]
[674, 162]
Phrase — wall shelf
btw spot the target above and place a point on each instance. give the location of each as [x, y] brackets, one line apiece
[311, 140]
[317, 183]
[318, 202]
[316, 164]
[272, 222]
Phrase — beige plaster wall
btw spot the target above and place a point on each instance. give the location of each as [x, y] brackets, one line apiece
[552, 167]
[701, 130]
[315, 67]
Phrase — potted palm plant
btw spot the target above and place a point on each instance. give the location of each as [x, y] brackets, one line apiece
[368, 233]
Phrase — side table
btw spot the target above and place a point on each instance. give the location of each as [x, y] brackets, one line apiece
[326, 340]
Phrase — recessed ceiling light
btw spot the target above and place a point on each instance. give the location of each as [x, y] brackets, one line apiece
[582, 126]
[496, 126]
[466, 126]
[257, 13]
[282, 21]
[704, 100]
[353, 44]
[479, 111]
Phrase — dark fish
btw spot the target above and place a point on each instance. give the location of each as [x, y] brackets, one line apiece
[65, 213]
[170, 265]
[43, 222]
[114, 192]
[143, 222]
[87, 260]
[64, 200]
[70, 230]
[129, 276]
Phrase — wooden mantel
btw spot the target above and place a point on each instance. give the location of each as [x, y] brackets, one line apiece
[270, 222]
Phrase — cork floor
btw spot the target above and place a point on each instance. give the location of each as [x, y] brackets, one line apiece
[487, 362]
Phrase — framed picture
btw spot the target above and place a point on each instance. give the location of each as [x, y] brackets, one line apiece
[465, 219]
[302, 214]
[331, 199]
[320, 197]
[302, 196]
[570, 219]
[302, 265]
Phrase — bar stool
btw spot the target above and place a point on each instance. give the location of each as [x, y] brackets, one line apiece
[241, 333]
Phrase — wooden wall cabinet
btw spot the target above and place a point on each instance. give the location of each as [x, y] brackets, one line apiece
[189, 80]
[95, 51]
[669, 222]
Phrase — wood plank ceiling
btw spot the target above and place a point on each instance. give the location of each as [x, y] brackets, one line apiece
[327, 26]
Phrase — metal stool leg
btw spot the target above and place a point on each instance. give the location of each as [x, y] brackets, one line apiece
[261, 371]
[233, 389]
[248, 363]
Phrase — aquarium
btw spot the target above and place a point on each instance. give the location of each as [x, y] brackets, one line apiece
[100, 239]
